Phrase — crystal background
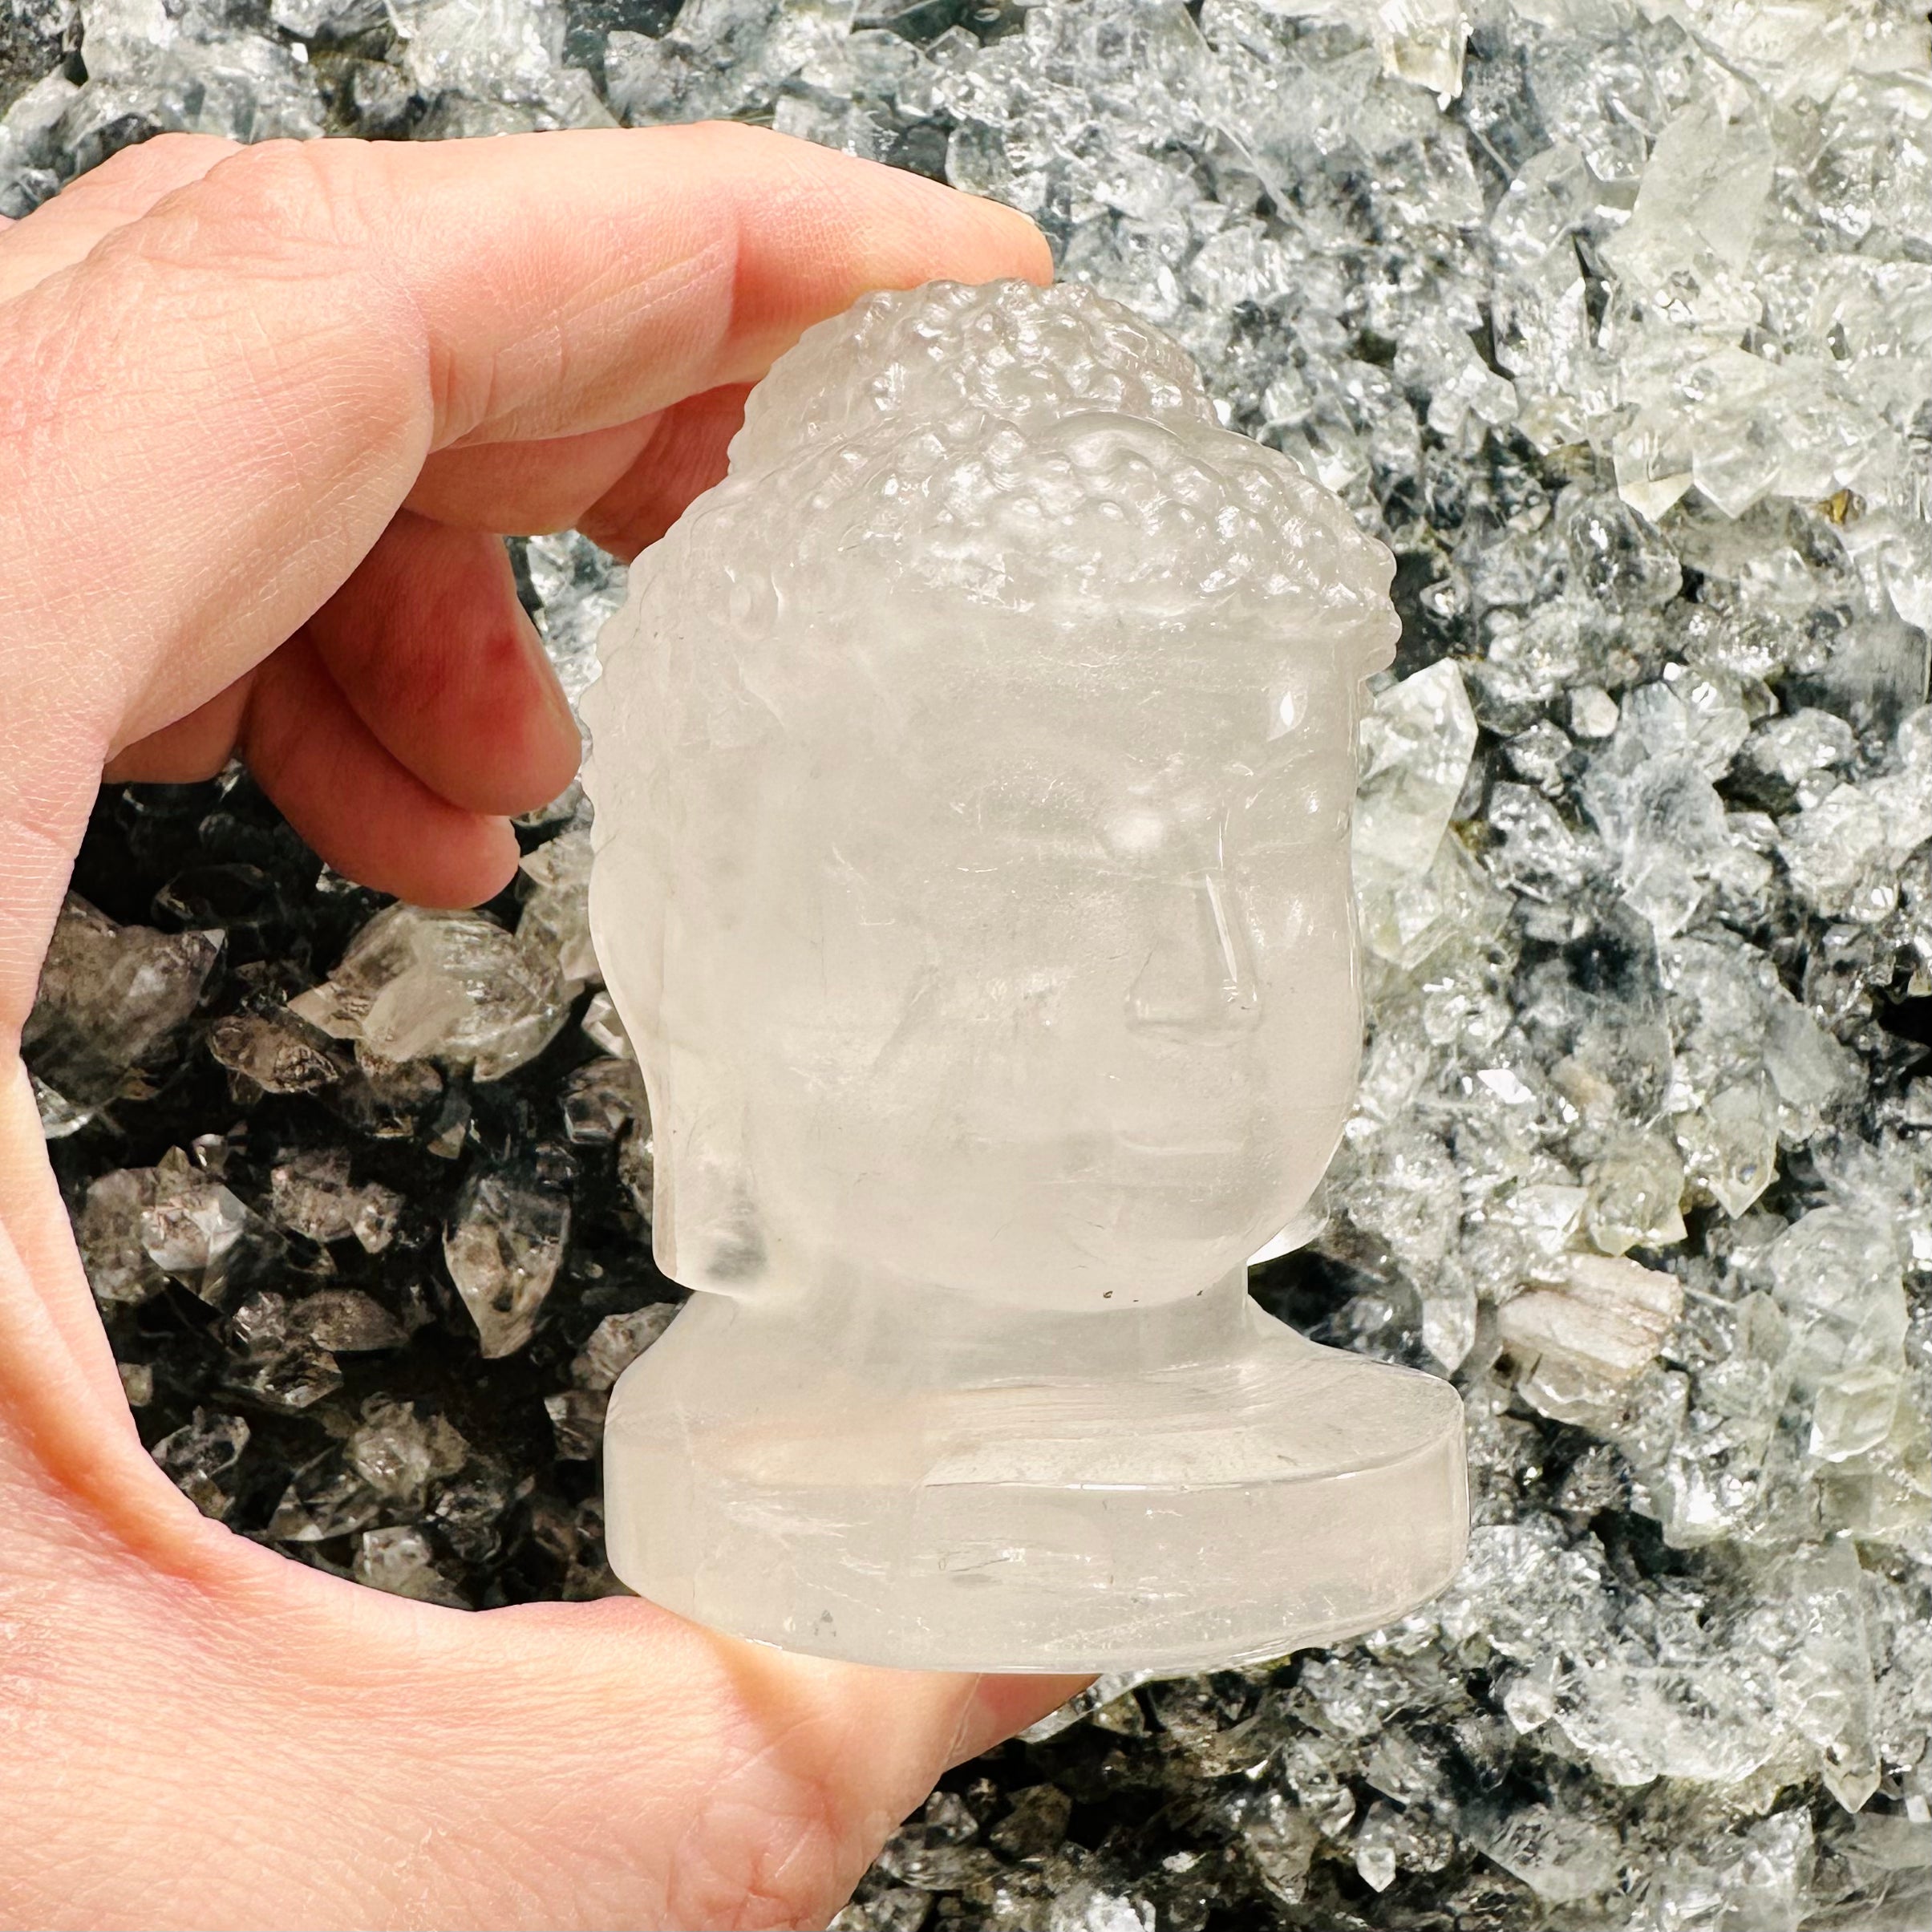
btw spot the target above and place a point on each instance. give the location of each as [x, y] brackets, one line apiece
[1614, 319]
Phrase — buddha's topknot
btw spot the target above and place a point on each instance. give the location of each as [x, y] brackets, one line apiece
[1040, 450]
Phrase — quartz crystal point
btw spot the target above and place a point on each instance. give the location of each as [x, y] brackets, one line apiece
[111, 1000]
[973, 770]
[421, 984]
[200, 1457]
[140, 1227]
[311, 1195]
[503, 1248]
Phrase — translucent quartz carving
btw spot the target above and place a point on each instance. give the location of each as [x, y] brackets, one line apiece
[973, 771]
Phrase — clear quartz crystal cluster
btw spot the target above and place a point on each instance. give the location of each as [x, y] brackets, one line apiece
[1610, 318]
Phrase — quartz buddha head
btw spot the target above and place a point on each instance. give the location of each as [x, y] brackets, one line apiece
[972, 769]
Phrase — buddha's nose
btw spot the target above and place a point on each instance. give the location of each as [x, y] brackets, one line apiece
[1198, 975]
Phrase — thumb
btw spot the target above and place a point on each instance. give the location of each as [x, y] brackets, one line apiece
[792, 1771]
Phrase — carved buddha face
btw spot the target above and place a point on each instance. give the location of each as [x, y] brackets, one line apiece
[973, 771]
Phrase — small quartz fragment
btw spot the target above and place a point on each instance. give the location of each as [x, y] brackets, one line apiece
[581, 585]
[1563, 1859]
[601, 1023]
[1593, 712]
[346, 1321]
[278, 1365]
[1416, 746]
[1636, 1184]
[200, 1459]
[469, 1509]
[417, 983]
[637, 1169]
[325, 1498]
[577, 1420]
[503, 1246]
[400, 1561]
[1853, 1411]
[604, 1098]
[576, 1415]
[311, 1194]
[112, 999]
[1837, 1273]
[1731, 1145]
[556, 916]
[107, 1231]
[451, 1127]
[141, 1226]
[1794, 751]
[59, 1116]
[1035, 1823]
[390, 1100]
[399, 1449]
[193, 1227]
[279, 1051]
[617, 1342]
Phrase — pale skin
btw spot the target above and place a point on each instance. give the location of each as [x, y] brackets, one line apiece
[263, 414]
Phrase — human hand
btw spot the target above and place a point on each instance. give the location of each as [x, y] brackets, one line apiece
[262, 413]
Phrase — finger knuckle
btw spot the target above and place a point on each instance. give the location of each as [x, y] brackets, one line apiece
[284, 249]
[134, 176]
[171, 155]
[292, 202]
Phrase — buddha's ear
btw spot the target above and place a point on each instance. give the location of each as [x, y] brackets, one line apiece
[705, 1228]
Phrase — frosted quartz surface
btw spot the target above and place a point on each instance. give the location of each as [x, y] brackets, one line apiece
[987, 735]
[972, 769]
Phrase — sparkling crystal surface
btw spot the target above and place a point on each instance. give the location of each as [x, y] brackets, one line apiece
[1365, 276]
